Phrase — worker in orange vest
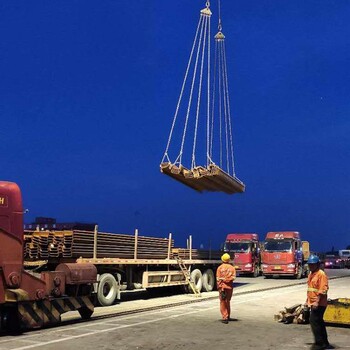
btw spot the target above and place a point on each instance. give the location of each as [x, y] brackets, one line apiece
[225, 275]
[317, 288]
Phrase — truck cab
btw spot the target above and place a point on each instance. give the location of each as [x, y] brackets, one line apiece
[245, 252]
[284, 254]
[344, 255]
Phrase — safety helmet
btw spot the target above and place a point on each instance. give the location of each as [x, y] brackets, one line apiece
[313, 259]
[225, 257]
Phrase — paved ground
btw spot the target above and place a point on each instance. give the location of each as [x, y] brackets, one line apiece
[193, 326]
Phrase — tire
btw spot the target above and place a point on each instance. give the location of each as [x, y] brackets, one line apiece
[107, 289]
[268, 276]
[299, 273]
[10, 321]
[196, 277]
[208, 280]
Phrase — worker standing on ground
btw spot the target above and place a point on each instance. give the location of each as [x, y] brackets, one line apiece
[317, 301]
[225, 275]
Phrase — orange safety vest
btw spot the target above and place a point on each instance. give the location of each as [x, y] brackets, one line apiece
[317, 286]
[225, 274]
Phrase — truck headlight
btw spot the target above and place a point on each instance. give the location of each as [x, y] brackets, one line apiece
[248, 265]
[291, 266]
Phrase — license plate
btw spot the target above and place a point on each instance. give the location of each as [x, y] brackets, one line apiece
[237, 268]
[277, 267]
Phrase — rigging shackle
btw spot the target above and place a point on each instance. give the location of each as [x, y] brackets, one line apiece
[207, 4]
[219, 26]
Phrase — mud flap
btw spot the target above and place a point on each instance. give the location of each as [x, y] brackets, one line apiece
[48, 312]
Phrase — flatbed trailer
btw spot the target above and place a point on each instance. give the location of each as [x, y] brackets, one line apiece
[194, 269]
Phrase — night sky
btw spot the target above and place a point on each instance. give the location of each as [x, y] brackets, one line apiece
[88, 93]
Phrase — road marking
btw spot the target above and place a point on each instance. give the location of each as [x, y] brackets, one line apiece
[249, 299]
[237, 299]
[30, 341]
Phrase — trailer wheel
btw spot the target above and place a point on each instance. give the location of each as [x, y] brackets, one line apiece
[107, 289]
[10, 320]
[208, 280]
[256, 271]
[299, 273]
[196, 278]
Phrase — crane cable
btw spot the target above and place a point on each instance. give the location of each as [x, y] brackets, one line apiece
[224, 109]
[207, 25]
[202, 37]
[181, 93]
[203, 26]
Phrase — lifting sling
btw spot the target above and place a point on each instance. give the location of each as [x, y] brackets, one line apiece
[215, 139]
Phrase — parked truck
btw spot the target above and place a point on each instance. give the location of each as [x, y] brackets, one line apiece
[344, 254]
[244, 249]
[284, 254]
[124, 261]
[29, 300]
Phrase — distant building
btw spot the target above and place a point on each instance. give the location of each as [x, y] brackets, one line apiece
[43, 223]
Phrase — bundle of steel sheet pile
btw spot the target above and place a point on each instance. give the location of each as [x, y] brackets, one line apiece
[196, 254]
[212, 179]
[44, 244]
[177, 173]
[66, 247]
[75, 244]
[28, 245]
[113, 245]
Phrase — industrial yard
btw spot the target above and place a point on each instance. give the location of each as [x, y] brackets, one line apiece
[162, 157]
[187, 322]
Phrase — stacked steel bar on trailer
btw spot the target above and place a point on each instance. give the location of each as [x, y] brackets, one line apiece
[75, 244]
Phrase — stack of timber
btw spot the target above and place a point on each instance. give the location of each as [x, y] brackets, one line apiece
[196, 254]
[75, 244]
[212, 178]
[295, 314]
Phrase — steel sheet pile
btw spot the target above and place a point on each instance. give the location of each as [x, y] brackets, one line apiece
[75, 244]
[197, 254]
[212, 179]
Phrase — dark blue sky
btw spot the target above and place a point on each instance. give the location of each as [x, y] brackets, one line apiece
[89, 89]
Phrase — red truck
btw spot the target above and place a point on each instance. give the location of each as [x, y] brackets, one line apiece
[285, 254]
[245, 249]
[29, 300]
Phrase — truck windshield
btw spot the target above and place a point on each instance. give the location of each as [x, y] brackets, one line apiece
[238, 247]
[278, 246]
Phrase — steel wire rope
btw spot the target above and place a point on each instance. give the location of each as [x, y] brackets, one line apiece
[221, 72]
[208, 95]
[220, 105]
[229, 112]
[213, 104]
[207, 19]
[182, 91]
[191, 93]
[225, 106]
[219, 12]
